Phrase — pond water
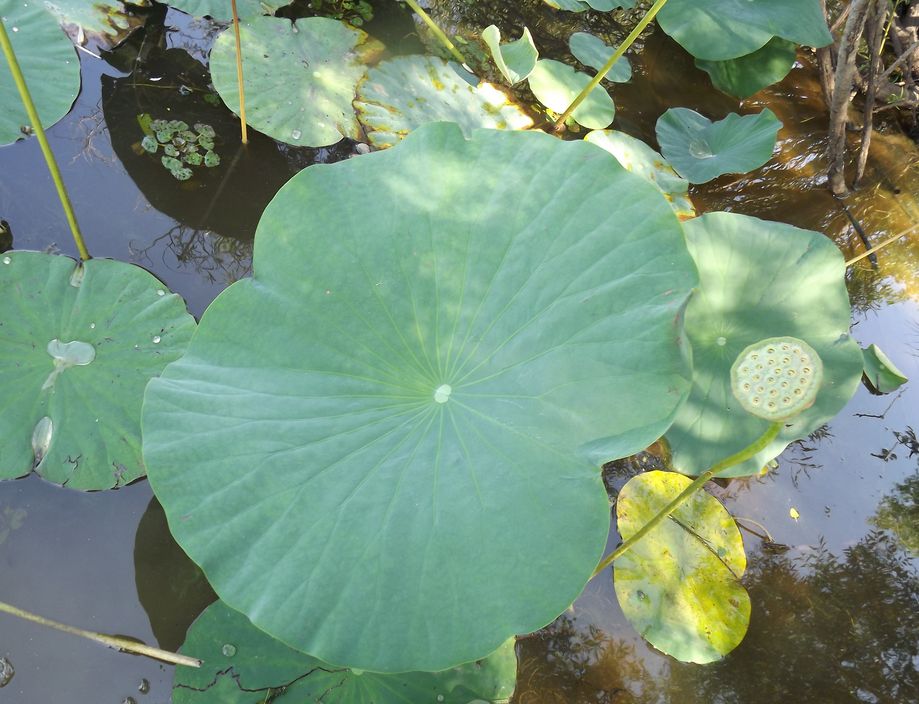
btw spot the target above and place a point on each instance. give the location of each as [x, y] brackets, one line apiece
[835, 589]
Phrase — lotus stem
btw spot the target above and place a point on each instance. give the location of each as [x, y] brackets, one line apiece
[607, 67]
[239, 76]
[438, 32]
[113, 642]
[880, 246]
[32, 112]
[748, 452]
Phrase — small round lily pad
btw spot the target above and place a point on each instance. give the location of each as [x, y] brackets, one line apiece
[78, 344]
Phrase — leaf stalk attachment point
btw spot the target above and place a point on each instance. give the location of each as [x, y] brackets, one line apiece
[32, 112]
[607, 67]
[438, 32]
[239, 76]
[114, 642]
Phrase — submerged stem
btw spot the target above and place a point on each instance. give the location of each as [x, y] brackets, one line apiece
[880, 246]
[239, 75]
[438, 32]
[114, 642]
[607, 67]
[750, 451]
[32, 112]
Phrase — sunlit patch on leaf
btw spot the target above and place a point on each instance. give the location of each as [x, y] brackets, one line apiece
[679, 585]
[556, 85]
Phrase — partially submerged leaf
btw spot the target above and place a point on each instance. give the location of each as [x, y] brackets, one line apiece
[243, 664]
[640, 159]
[882, 374]
[515, 60]
[107, 22]
[48, 62]
[679, 585]
[423, 395]
[300, 77]
[759, 279]
[746, 75]
[718, 30]
[409, 91]
[221, 11]
[701, 150]
[594, 52]
[556, 85]
[78, 345]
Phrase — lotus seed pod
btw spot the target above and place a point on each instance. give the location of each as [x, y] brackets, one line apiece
[778, 378]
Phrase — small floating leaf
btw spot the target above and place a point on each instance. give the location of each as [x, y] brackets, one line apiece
[206, 142]
[170, 162]
[243, 665]
[793, 512]
[556, 85]
[181, 174]
[149, 144]
[746, 75]
[408, 91]
[76, 359]
[515, 60]
[211, 159]
[759, 279]
[594, 52]
[48, 62]
[170, 151]
[679, 585]
[701, 150]
[204, 130]
[882, 374]
[193, 159]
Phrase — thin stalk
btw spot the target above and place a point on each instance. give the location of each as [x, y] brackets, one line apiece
[26, 97]
[110, 641]
[239, 75]
[750, 451]
[883, 244]
[607, 67]
[438, 32]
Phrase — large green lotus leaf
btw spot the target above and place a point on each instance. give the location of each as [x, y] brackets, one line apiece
[77, 347]
[299, 77]
[221, 11]
[639, 158]
[592, 51]
[746, 75]
[882, 374]
[408, 91]
[515, 60]
[701, 150]
[392, 433]
[718, 30]
[243, 664]
[48, 62]
[680, 584]
[556, 85]
[759, 279]
[107, 22]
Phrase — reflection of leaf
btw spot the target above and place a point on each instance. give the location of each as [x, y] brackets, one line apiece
[79, 344]
[759, 279]
[882, 374]
[243, 665]
[441, 405]
[11, 519]
[679, 585]
[516, 59]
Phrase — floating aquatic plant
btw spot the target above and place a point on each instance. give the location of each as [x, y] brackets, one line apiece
[183, 147]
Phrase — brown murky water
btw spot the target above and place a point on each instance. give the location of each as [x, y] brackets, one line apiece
[835, 593]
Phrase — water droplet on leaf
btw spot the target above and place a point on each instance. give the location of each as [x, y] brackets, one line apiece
[228, 650]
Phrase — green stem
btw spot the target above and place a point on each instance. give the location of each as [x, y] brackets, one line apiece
[624, 47]
[239, 75]
[20, 81]
[438, 32]
[110, 641]
[750, 451]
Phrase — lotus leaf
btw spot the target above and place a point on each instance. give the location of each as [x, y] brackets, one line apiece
[718, 30]
[579, 6]
[881, 373]
[759, 279]
[78, 344]
[568, 5]
[243, 664]
[701, 150]
[426, 437]
[746, 75]
[556, 85]
[515, 60]
[408, 91]
[300, 76]
[221, 11]
[679, 585]
[107, 23]
[594, 52]
[48, 62]
[639, 158]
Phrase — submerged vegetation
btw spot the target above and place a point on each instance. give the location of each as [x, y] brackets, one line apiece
[384, 447]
